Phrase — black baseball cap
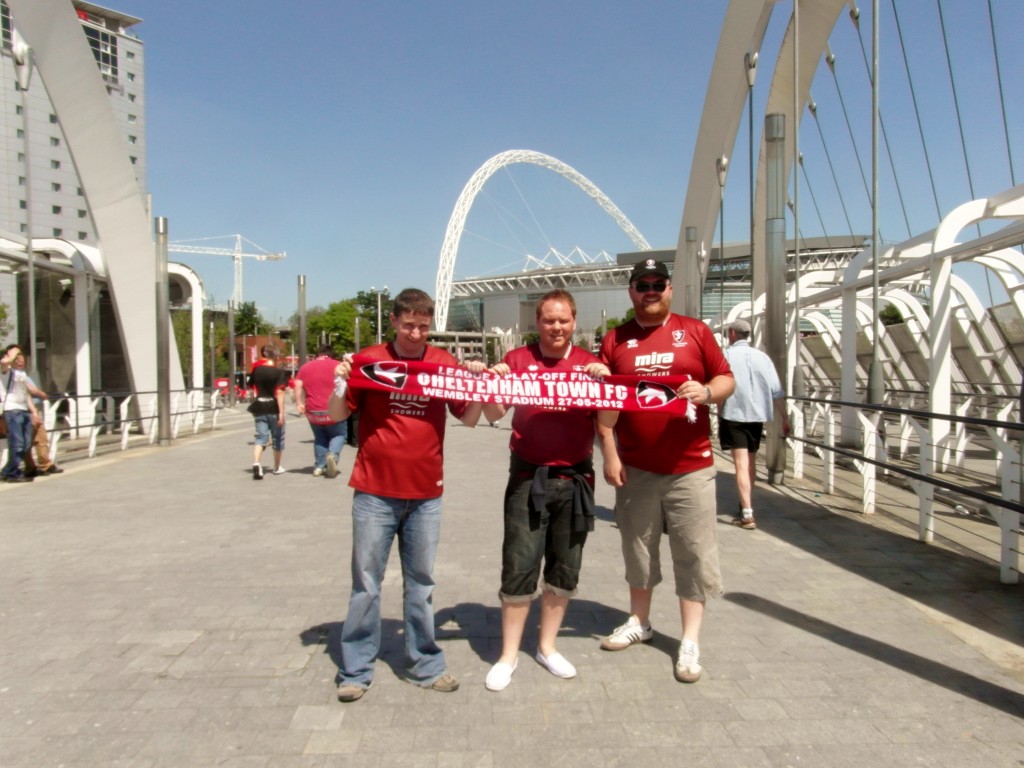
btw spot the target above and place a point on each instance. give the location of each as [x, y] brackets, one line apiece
[648, 267]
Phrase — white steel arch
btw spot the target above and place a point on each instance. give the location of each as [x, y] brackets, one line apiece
[453, 234]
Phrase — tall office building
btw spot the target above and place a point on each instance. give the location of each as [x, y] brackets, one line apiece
[58, 205]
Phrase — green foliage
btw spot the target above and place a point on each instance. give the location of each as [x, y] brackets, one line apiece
[336, 323]
[366, 304]
[891, 315]
[5, 323]
[249, 322]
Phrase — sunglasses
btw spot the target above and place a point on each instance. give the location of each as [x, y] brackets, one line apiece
[643, 287]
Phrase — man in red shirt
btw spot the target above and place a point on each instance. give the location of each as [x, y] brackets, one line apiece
[313, 386]
[662, 467]
[549, 499]
[398, 481]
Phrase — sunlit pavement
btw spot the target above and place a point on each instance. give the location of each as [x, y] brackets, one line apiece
[161, 608]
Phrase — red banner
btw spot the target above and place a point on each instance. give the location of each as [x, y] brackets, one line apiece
[544, 389]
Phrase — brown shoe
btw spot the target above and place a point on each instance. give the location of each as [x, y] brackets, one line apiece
[745, 522]
[446, 683]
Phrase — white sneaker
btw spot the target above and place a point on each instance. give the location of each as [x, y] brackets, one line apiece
[332, 465]
[688, 668]
[500, 676]
[629, 633]
[318, 472]
[279, 471]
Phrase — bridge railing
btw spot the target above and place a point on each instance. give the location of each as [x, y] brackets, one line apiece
[125, 416]
[975, 464]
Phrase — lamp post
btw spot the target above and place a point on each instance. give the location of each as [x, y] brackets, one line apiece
[722, 167]
[750, 59]
[22, 54]
[383, 290]
[876, 383]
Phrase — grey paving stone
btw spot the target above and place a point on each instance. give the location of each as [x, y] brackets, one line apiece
[179, 624]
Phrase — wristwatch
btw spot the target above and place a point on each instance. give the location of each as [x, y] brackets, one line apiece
[707, 394]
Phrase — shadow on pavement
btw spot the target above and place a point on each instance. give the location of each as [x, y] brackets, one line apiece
[924, 668]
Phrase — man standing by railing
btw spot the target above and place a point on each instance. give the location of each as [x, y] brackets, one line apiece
[20, 415]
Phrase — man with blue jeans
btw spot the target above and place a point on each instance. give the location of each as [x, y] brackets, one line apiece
[313, 386]
[398, 481]
[20, 415]
[267, 409]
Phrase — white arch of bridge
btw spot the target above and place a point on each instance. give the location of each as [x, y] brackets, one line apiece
[457, 222]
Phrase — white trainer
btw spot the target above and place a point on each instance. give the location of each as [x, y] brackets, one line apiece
[628, 634]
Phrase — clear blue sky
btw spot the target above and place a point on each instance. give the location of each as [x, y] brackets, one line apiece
[343, 132]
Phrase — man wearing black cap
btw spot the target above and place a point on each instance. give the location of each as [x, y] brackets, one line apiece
[741, 419]
[662, 466]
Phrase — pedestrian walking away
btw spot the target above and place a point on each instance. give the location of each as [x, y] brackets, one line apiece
[741, 418]
[549, 498]
[314, 384]
[267, 408]
[663, 468]
[398, 480]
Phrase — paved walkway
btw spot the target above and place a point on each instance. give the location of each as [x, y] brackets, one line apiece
[159, 608]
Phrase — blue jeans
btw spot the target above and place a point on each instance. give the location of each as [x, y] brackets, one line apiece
[19, 439]
[327, 438]
[268, 431]
[376, 520]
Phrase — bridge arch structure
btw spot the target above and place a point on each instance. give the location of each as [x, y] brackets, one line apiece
[457, 222]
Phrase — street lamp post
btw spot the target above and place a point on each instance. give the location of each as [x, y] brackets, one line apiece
[722, 167]
[750, 59]
[383, 290]
[22, 55]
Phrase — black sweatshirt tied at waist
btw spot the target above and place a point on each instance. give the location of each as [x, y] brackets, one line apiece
[582, 476]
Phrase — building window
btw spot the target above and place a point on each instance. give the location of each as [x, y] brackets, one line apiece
[20, 133]
[130, 55]
[21, 157]
[133, 140]
[55, 210]
[131, 77]
[58, 232]
[53, 119]
[54, 186]
[132, 118]
[54, 141]
[17, 109]
[21, 181]
[81, 213]
[80, 192]
[133, 159]
[104, 49]
[5, 24]
[83, 235]
[55, 165]
[22, 205]
[131, 97]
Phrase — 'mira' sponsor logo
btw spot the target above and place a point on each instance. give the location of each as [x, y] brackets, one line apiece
[654, 362]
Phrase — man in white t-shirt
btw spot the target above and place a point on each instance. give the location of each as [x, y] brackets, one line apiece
[20, 415]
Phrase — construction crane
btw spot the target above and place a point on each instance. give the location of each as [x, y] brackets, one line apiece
[237, 253]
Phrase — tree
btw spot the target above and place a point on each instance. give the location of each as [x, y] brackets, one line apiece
[366, 302]
[891, 315]
[249, 322]
[337, 325]
[5, 324]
